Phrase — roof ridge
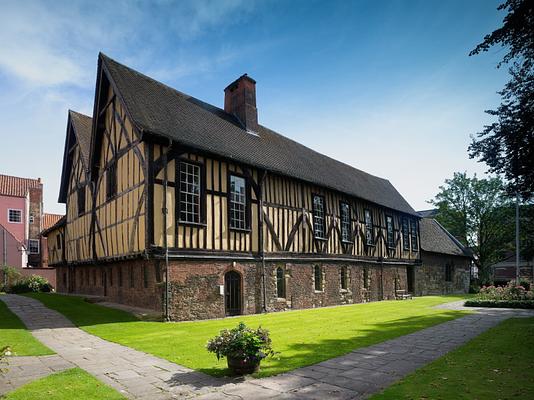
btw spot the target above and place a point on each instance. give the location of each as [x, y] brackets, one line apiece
[451, 236]
[21, 177]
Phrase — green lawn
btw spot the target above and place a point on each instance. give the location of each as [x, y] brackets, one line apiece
[13, 333]
[70, 384]
[302, 337]
[496, 365]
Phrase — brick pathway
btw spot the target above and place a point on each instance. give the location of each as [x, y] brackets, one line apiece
[355, 375]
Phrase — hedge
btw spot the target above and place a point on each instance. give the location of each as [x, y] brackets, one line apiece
[529, 304]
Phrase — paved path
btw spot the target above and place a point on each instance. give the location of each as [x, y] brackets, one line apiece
[355, 375]
[23, 370]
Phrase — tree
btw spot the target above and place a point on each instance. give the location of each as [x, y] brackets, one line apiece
[479, 214]
[507, 145]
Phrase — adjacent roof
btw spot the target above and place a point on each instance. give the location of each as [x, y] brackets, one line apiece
[58, 224]
[428, 213]
[82, 128]
[17, 187]
[160, 110]
[50, 220]
[436, 239]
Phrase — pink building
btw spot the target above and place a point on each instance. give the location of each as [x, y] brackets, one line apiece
[21, 222]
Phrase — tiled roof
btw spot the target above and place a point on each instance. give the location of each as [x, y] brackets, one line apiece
[58, 223]
[82, 128]
[50, 220]
[17, 187]
[436, 239]
[159, 110]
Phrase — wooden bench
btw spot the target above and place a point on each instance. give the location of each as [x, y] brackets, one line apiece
[401, 294]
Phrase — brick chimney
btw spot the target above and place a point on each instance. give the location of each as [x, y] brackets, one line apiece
[240, 100]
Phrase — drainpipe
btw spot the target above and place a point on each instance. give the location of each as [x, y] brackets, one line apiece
[164, 211]
[262, 249]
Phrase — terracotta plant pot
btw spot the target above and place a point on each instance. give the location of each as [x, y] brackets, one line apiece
[240, 366]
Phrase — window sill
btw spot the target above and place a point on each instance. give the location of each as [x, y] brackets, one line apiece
[281, 299]
[241, 230]
[318, 291]
[194, 224]
[320, 238]
[347, 242]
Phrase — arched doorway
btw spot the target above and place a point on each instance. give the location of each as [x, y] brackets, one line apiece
[232, 290]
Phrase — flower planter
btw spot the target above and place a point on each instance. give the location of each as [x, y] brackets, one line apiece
[240, 366]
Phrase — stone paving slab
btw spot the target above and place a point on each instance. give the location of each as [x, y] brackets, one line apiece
[137, 375]
[22, 370]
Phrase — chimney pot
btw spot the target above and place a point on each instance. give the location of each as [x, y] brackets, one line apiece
[240, 100]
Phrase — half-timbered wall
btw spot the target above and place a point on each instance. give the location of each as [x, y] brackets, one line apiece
[119, 218]
[213, 232]
[78, 227]
[56, 246]
[287, 217]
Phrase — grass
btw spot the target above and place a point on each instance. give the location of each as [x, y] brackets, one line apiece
[14, 334]
[70, 384]
[302, 337]
[496, 365]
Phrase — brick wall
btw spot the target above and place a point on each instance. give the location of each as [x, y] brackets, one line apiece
[134, 282]
[430, 275]
[195, 286]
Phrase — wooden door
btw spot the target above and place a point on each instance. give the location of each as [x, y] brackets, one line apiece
[232, 287]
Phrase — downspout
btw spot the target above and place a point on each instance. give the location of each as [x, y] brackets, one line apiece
[262, 248]
[164, 211]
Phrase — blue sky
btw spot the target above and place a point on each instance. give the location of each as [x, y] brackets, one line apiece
[385, 86]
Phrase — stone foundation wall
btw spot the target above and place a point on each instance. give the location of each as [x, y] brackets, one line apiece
[430, 275]
[197, 287]
[134, 282]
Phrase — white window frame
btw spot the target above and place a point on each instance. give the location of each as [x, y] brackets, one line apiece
[238, 203]
[190, 194]
[30, 246]
[9, 216]
[319, 217]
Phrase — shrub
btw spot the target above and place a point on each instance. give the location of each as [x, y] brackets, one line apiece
[525, 283]
[242, 342]
[511, 291]
[9, 276]
[34, 283]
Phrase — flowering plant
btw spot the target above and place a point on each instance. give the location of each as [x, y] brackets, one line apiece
[4, 352]
[241, 342]
[511, 291]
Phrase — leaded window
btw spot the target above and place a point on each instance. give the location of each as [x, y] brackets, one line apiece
[81, 200]
[318, 217]
[33, 246]
[343, 277]
[449, 271]
[111, 181]
[405, 234]
[14, 216]
[413, 233]
[238, 202]
[390, 232]
[345, 222]
[189, 192]
[280, 283]
[366, 278]
[318, 275]
[369, 237]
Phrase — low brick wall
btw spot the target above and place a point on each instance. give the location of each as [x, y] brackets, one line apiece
[47, 273]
